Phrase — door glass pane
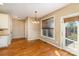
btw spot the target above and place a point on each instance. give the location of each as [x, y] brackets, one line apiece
[71, 28]
[71, 31]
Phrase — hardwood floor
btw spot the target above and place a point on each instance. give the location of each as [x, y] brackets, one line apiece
[22, 47]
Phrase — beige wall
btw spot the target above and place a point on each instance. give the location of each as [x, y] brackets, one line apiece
[18, 28]
[70, 9]
[25, 28]
[32, 30]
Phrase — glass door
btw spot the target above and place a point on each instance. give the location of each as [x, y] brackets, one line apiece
[71, 34]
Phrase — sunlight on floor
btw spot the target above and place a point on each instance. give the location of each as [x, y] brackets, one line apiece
[57, 53]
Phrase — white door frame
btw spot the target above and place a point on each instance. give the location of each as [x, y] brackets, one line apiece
[62, 32]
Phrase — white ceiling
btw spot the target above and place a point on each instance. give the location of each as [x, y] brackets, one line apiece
[27, 9]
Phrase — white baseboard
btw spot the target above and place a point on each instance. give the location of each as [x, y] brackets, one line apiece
[51, 43]
[75, 53]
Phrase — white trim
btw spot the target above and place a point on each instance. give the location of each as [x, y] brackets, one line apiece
[62, 32]
[70, 40]
[72, 51]
[47, 37]
[54, 28]
[71, 15]
[51, 43]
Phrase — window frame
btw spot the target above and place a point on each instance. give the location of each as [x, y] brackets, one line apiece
[53, 30]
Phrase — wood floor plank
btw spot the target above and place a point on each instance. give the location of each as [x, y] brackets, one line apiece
[23, 47]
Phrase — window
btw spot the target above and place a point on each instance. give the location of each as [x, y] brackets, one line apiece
[71, 30]
[48, 27]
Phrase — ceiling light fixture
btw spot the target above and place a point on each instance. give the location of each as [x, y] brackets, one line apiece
[36, 21]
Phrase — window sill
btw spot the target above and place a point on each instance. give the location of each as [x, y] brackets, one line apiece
[48, 37]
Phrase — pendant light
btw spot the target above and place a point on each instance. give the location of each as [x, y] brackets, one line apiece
[36, 21]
